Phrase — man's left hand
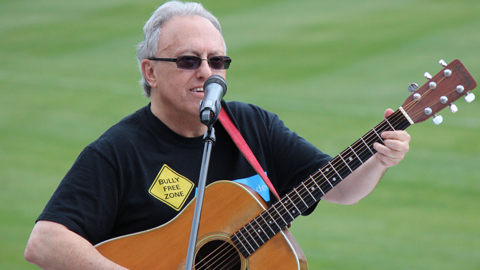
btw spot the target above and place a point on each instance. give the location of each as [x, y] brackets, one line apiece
[396, 145]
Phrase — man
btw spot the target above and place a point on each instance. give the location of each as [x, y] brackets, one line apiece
[110, 189]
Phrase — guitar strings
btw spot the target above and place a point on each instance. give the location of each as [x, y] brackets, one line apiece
[217, 256]
[214, 252]
[228, 262]
[304, 191]
[320, 178]
[208, 261]
[409, 106]
[299, 191]
[369, 136]
[359, 148]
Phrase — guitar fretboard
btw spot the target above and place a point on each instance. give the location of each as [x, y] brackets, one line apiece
[270, 222]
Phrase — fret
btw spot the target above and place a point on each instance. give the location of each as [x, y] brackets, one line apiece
[334, 178]
[315, 182]
[286, 210]
[255, 230]
[268, 226]
[272, 219]
[315, 200]
[352, 159]
[293, 203]
[300, 198]
[356, 154]
[323, 180]
[314, 191]
[345, 163]
[253, 238]
[388, 122]
[327, 185]
[363, 153]
[242, 248]
[243, 236]
[367, 146]
[275, 208]
[261, 228]
[377, 134]
[326, 178]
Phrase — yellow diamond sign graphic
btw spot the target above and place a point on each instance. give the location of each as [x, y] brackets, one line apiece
[171, 187]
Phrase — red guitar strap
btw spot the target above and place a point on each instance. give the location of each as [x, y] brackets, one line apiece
[243, 146]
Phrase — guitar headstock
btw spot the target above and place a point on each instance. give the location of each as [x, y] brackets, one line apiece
[441, 90]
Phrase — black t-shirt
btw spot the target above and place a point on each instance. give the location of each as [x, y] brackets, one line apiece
[140, 174]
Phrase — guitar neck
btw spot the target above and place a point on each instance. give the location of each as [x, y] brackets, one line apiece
[447, 86]
[257, 232]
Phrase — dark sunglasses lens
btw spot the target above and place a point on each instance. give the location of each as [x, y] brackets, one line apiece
[216, 62]
[219, 62]
[188, 62]
[226, 62]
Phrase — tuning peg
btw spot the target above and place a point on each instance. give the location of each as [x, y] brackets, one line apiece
[453, 108]
[460, 89]
[447, 72]
[444, 99]
[442, 62]
[432, 85]
[469, 97]
[428, 111]
[412, 87]
[437, 119]
[427, 75]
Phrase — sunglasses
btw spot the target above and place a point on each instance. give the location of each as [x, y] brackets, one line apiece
[194, 62]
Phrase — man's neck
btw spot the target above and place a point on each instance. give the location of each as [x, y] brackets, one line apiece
[182, 124]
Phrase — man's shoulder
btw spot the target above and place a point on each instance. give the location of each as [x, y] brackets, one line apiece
[128, 129]
[252, 119]
[236, 105]
[246, 110]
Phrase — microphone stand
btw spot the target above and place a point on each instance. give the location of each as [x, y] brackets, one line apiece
[208, 140]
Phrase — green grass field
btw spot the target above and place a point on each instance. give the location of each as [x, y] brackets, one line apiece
[328, 68]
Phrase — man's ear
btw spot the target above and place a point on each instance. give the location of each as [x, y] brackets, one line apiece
[148, 72]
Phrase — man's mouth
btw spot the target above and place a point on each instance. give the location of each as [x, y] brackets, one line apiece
[198, 89]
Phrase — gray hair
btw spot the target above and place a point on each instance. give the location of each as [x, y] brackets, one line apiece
[152, 29]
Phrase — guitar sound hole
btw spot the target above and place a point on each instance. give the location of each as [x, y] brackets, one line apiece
[217, 254]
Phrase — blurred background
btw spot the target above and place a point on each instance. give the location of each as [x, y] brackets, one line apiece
[328, 68]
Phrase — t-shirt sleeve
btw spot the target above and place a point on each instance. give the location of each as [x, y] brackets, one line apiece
[87, 198]
[295, 159]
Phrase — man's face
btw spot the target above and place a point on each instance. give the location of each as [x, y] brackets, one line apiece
[178, 89]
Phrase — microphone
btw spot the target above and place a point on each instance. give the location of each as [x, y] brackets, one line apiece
[214, 88]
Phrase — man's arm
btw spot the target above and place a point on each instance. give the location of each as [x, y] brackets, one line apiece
[363, 180]
[54, 246]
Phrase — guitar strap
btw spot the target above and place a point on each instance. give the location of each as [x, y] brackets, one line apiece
[243, 147]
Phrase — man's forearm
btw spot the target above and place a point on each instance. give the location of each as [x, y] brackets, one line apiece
[53, 246]
[358, 184]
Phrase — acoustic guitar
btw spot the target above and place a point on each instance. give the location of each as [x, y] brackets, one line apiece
[238, 231]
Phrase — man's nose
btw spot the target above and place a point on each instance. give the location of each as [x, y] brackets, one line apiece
[204, 71]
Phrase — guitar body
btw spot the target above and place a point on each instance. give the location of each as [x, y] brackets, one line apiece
[227, 207]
